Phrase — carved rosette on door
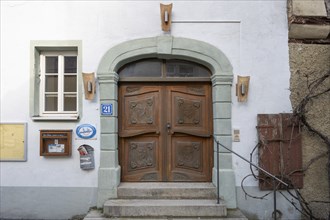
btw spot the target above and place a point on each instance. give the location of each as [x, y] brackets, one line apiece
[189, 112]
[188, 155]
[141, 111]
[165, 132]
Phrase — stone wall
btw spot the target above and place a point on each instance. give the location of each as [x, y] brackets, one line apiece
[309, 21]
[307, 63]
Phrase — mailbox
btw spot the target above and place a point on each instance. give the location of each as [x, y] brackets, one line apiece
[86, 157]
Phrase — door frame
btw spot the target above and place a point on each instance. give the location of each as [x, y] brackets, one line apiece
[165, 47]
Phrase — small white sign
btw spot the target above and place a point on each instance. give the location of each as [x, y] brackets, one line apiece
[55, 148]
[86, 131]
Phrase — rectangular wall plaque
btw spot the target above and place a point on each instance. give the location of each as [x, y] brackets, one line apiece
[55, 142]
[13, 142]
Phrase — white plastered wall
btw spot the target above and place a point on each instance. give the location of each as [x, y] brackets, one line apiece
[252, 35]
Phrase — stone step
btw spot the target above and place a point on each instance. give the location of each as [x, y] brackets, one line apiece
[166, 191]
[232, 214]
[163, 208]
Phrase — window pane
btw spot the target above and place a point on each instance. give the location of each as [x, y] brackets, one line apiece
[177, 68]
[70, 83]
[51, 103]
[142, 68]
[51, 64]
[51, 83]
[70, 102]
[70, 64]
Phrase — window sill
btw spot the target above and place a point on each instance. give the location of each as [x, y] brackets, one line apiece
[56, 118]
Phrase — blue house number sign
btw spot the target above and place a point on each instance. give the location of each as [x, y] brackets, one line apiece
[106, 109]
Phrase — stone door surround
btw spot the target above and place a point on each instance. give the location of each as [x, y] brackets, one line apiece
[165, 47]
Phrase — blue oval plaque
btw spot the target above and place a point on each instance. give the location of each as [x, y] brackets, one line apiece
[86, 131]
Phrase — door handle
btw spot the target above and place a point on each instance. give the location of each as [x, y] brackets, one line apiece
[168, 126]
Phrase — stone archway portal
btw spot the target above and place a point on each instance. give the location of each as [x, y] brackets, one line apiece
[164, 47]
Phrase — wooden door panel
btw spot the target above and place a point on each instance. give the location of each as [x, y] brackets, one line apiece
[140, 158]
[165, 132]
[140, 108]
[190, 139]
[190, 158]
[139, 133]
[189, 110]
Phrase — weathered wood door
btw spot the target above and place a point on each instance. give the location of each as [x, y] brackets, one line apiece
[165, 132]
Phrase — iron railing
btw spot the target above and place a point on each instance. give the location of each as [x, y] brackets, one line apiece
[252, 164]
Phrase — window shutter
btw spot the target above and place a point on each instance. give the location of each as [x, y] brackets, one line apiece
[280, 151]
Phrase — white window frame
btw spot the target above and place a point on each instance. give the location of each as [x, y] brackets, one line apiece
[38, 47]
[60, 93]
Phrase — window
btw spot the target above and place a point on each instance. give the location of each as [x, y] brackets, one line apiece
[55, 83]
[142, 68]
[58, 83]
[179, 68]
[163, 70]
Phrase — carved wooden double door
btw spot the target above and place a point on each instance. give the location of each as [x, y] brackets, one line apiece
[165, 132]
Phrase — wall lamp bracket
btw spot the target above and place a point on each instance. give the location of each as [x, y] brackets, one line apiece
[166, 16]
[89, 85]
[242, 88]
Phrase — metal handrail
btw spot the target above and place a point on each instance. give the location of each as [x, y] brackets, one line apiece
[252, 164]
